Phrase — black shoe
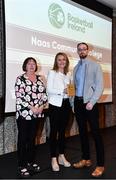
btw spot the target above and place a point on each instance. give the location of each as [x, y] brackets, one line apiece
[33, 167]
[23, 172]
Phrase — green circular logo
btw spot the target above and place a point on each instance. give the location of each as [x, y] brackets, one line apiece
[56, 15]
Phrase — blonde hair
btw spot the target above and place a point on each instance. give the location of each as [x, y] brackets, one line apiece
[55, 66]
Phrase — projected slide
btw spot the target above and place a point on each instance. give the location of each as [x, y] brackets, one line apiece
[42, 28]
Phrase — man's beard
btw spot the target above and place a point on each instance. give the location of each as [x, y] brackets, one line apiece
[83, 56]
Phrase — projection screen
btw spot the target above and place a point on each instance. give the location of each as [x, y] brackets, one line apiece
[42, 28]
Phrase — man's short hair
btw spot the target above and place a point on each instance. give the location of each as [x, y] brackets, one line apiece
[83, 44]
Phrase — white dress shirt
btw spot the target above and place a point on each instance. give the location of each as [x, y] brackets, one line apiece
[56, 83]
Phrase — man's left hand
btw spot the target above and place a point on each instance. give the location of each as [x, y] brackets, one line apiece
[89, 106]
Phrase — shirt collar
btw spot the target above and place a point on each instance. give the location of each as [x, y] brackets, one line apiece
[83, 61]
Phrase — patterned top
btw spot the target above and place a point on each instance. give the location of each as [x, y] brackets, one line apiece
[29, 93]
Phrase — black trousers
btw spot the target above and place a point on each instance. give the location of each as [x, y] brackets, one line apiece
[92, 116]
[58, 121]
[27, 130]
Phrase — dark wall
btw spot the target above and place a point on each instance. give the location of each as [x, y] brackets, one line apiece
[2, 60]
[96, 6]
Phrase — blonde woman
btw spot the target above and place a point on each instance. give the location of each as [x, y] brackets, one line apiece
[59, 108]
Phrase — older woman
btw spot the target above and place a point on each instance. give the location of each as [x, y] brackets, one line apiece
[30, 100]
[59, 108]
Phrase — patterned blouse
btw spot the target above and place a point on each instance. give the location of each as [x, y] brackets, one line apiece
[29, 93]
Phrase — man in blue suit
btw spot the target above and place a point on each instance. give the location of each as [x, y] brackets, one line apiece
[88, 80]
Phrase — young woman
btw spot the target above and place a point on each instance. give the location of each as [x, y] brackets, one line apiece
[30, 100]
[59, 108]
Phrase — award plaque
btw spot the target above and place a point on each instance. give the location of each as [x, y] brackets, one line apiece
[71, 90]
